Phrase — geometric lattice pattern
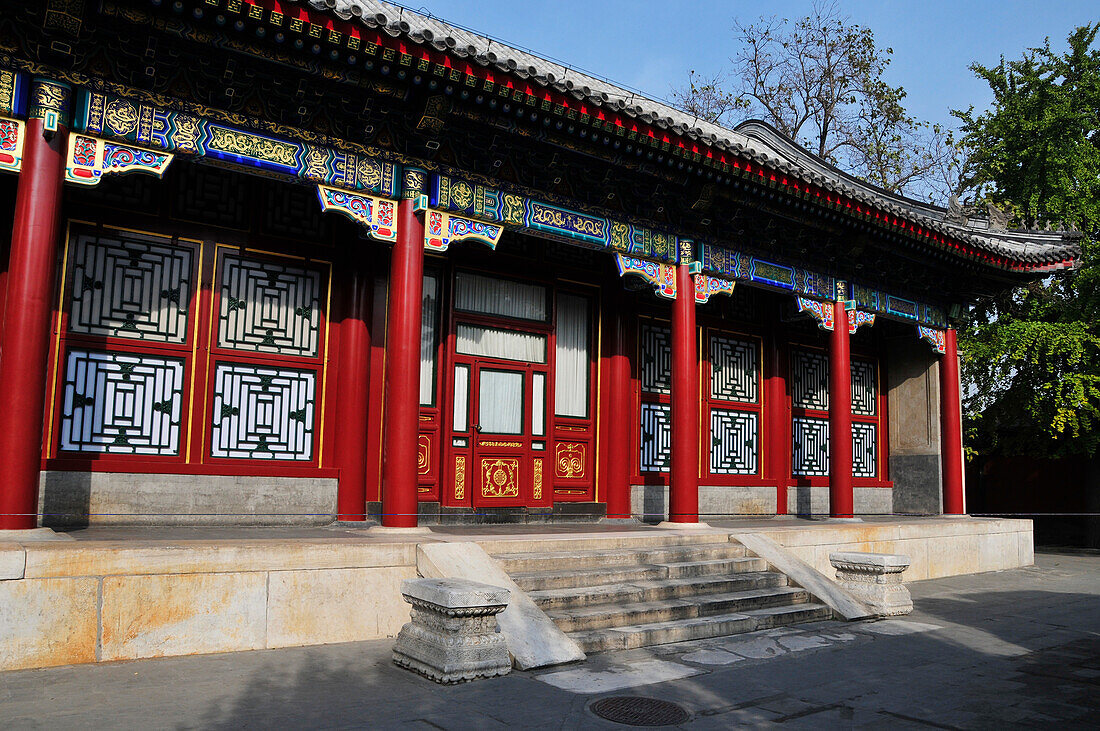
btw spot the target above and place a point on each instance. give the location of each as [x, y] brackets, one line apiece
[121, 404]
[656, 359]
[269, 308]
[810, 448]
[262, 412]
[863, 388]
[733, 370]
[809, 380]
[125, 285]
[656, 442]
[733, 448]
[864, 450]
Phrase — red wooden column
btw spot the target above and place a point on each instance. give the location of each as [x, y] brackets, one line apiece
[840, 412]
[683, 489]
[951, 421]
[31, 270]
[402, 395]
[777, 418]
[354, 388]
[619, 426]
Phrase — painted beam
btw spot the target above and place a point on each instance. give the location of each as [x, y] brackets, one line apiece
[124, 120]
[377, 216]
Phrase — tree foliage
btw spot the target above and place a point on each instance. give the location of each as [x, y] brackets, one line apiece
[1032, 368]
[819, 80]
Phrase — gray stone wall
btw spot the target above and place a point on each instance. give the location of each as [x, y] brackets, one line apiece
[112, 498]
[815, 500]
[913, 393]
[650, 502]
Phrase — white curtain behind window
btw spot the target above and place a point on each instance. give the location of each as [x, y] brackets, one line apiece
[507, 344]
[502, 297]
[571, 375]
[428, 326]
[500, 402]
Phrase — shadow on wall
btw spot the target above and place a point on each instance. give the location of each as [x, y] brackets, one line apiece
[65, 499]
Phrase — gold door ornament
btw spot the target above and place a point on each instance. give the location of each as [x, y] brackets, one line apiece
[423, 454]
[460, 478]
[538, 479]
[499, 478]
[569, 460]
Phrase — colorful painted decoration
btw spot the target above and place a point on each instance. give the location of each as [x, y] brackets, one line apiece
[805, 283]
[706, 286]
[661, 276]
[124, 120]
[12, 92]
[858, 318]
[935, 338]
[50, 102]
[377, 215]
[13, 133]
[90, 158]
[511, 209]
[820, 311]
[441, 229]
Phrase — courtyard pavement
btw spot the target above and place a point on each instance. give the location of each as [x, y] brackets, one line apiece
[1009, 648]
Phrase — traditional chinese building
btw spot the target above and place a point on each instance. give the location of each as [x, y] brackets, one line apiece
[278, 261]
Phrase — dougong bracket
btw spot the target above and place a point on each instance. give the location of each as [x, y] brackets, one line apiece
[935, 338]
[859, 318]
[378, 216]
[706, 286]
[441, 229]
[820, 311]
[13, 133]
[661, 276]
[90, 158]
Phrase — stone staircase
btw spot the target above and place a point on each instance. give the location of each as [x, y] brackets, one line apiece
[658, 589]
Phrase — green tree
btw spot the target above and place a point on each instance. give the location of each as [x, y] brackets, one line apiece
[1032, 367]
[819, 80]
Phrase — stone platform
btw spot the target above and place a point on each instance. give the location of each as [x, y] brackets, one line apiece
[104, 594]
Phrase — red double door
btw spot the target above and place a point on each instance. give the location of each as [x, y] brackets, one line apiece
[507, 405]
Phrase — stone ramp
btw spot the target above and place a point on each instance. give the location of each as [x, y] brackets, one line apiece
[640, 591]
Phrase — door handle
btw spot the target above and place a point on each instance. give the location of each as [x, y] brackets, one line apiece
[476, 427]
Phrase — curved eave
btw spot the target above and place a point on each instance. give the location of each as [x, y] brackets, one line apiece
[754, 143]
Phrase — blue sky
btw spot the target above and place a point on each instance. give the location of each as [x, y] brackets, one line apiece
[651, 45]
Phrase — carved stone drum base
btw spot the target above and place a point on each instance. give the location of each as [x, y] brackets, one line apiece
[453, 634]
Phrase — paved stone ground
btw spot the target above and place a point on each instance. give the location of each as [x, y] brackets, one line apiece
[1010, 648]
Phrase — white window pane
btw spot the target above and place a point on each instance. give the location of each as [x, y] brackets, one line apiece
[500, 402]
[506, 344]
[571, 374]
[476, 293]
[462, 407]
[538, 404]
[429, 324]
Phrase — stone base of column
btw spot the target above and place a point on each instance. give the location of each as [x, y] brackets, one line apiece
[453, 634]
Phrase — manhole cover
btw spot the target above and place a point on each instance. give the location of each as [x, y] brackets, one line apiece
[637, 711]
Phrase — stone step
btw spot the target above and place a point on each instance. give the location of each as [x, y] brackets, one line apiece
[713, 567]
[668, 610]
[697, 628]
[653, 590]
[568, 578]
[643, 538]
[545, 560]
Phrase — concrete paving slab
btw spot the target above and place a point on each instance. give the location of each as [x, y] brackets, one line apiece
[636, 675]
